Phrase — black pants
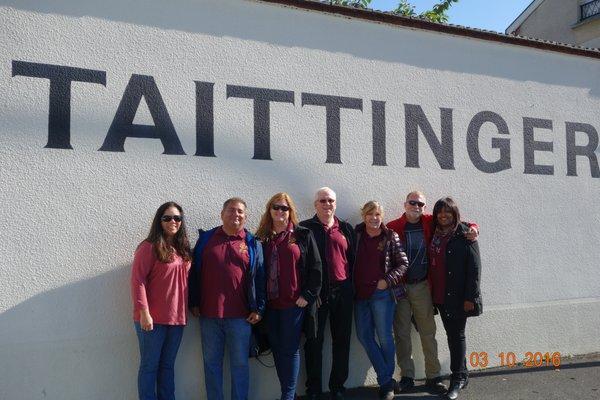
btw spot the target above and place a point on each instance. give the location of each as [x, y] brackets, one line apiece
[339, 310]
[457, 344]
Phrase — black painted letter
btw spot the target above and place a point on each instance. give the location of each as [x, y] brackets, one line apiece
[262, 119]
[59, 113]
[123, 127]
[378, 113]
[588, 150]
[503, 144]
[531, 146]
[332, 105]
[443, 149]
[205, 120]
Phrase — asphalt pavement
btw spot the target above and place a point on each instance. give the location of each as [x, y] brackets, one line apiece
[578, 378]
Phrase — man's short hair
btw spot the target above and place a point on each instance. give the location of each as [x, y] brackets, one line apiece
[327, 190]
[416, 192]
[234, 200]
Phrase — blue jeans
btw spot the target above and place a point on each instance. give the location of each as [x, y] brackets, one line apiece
[376, 315]
[285, 327]
[158, 349]
[216, 333]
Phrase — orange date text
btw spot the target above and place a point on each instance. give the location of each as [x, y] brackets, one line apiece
[509, 359]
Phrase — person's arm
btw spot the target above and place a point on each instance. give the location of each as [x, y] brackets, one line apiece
[193, 280]
[143, 260]
[260, 283]
[314, 270]
[472, 284]
[473, 231]
[399, 262]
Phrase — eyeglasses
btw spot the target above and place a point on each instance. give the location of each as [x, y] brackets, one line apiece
[168, 218]
[323, 201]
[277, 207]
[416, 203]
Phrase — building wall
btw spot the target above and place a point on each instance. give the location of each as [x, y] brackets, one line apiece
[73, 216]
[558, 20]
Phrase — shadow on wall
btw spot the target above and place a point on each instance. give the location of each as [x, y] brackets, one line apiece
[321, 32]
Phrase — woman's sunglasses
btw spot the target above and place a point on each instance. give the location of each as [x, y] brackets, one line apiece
[277, 207]
[168, 218]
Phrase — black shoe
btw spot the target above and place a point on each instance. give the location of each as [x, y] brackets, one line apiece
[337, 396]
[436, 385]
[405, 385]
[313, 397]
[455, 388]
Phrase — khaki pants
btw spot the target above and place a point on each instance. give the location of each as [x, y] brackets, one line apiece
[419, 304]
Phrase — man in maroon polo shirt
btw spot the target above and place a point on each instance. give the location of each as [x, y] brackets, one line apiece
[227, 291]
[336, 242]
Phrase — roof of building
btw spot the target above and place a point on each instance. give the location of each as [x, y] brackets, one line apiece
[458, 30]
[523, 16]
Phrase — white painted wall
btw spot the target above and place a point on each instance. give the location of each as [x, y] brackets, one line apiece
[72, 218]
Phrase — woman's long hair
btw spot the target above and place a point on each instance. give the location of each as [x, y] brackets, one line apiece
[181, 243]
[449, 204]
[265, 228]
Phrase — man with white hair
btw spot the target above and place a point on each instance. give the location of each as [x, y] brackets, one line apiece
[336, 242]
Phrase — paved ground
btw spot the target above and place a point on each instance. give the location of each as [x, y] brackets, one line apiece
[577, 379]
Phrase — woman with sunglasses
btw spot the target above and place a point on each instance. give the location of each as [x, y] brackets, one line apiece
[293, 269]
[159, 277]
[379, 270]
[454, 272]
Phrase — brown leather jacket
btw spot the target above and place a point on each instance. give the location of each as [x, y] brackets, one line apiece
[395, 262]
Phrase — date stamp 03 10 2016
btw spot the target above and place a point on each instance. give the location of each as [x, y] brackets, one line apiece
[509, 359]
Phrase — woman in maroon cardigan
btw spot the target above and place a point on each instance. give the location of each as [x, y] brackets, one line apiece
[159, 277]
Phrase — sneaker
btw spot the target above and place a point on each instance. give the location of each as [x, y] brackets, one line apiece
[386, 392]
[405, 385]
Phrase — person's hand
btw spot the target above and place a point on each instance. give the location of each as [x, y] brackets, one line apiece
[472, 234]
[319, 302]
[146, 320]
[301, 302]
[469, 306]
[253, 318]
[382, 284]
[195, 311]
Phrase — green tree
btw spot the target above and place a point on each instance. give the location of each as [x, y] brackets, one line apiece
[438, 13]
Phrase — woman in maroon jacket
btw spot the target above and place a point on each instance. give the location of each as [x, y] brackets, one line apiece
[378, 272]
[454, 271]
[159, 276]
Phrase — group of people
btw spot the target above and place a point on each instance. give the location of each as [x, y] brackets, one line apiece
[293, 276]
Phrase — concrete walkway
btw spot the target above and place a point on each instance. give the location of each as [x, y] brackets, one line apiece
[577, 379]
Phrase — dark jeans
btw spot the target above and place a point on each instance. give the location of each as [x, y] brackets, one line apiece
[457, 344]
[339, 310]
[158, 349]
[285, 327]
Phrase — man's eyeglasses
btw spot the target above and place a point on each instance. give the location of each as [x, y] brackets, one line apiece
[323, 201]
[277, 207]
[168, 218]
[416, 203]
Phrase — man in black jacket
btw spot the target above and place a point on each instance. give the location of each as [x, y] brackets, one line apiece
[336, 242]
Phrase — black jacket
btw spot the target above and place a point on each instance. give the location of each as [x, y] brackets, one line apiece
[316, 227]
[463, 271]
[310, 276]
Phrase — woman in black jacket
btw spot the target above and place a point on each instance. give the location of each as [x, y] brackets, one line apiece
[454, 274]
[293, 270]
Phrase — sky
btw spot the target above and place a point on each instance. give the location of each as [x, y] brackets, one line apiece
[494, 15]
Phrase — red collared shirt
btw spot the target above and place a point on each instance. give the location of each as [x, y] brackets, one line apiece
[337, 245]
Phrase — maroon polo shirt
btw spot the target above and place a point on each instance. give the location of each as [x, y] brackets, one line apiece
[289, 275]
[337, 245]
[437, 270]
[225, 261]
[369, 267]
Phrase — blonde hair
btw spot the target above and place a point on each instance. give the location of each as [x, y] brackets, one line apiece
[369, 207]
[265, 227]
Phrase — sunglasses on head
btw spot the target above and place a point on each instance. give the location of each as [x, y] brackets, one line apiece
[416, 203]
[323, 201]
[168, 218]
[277, 207]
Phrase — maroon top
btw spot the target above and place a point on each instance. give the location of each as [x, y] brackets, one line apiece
[369, 267]
[336, 252]
[437, 267]
[225, 261]
[289, 275]
[159, 287]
